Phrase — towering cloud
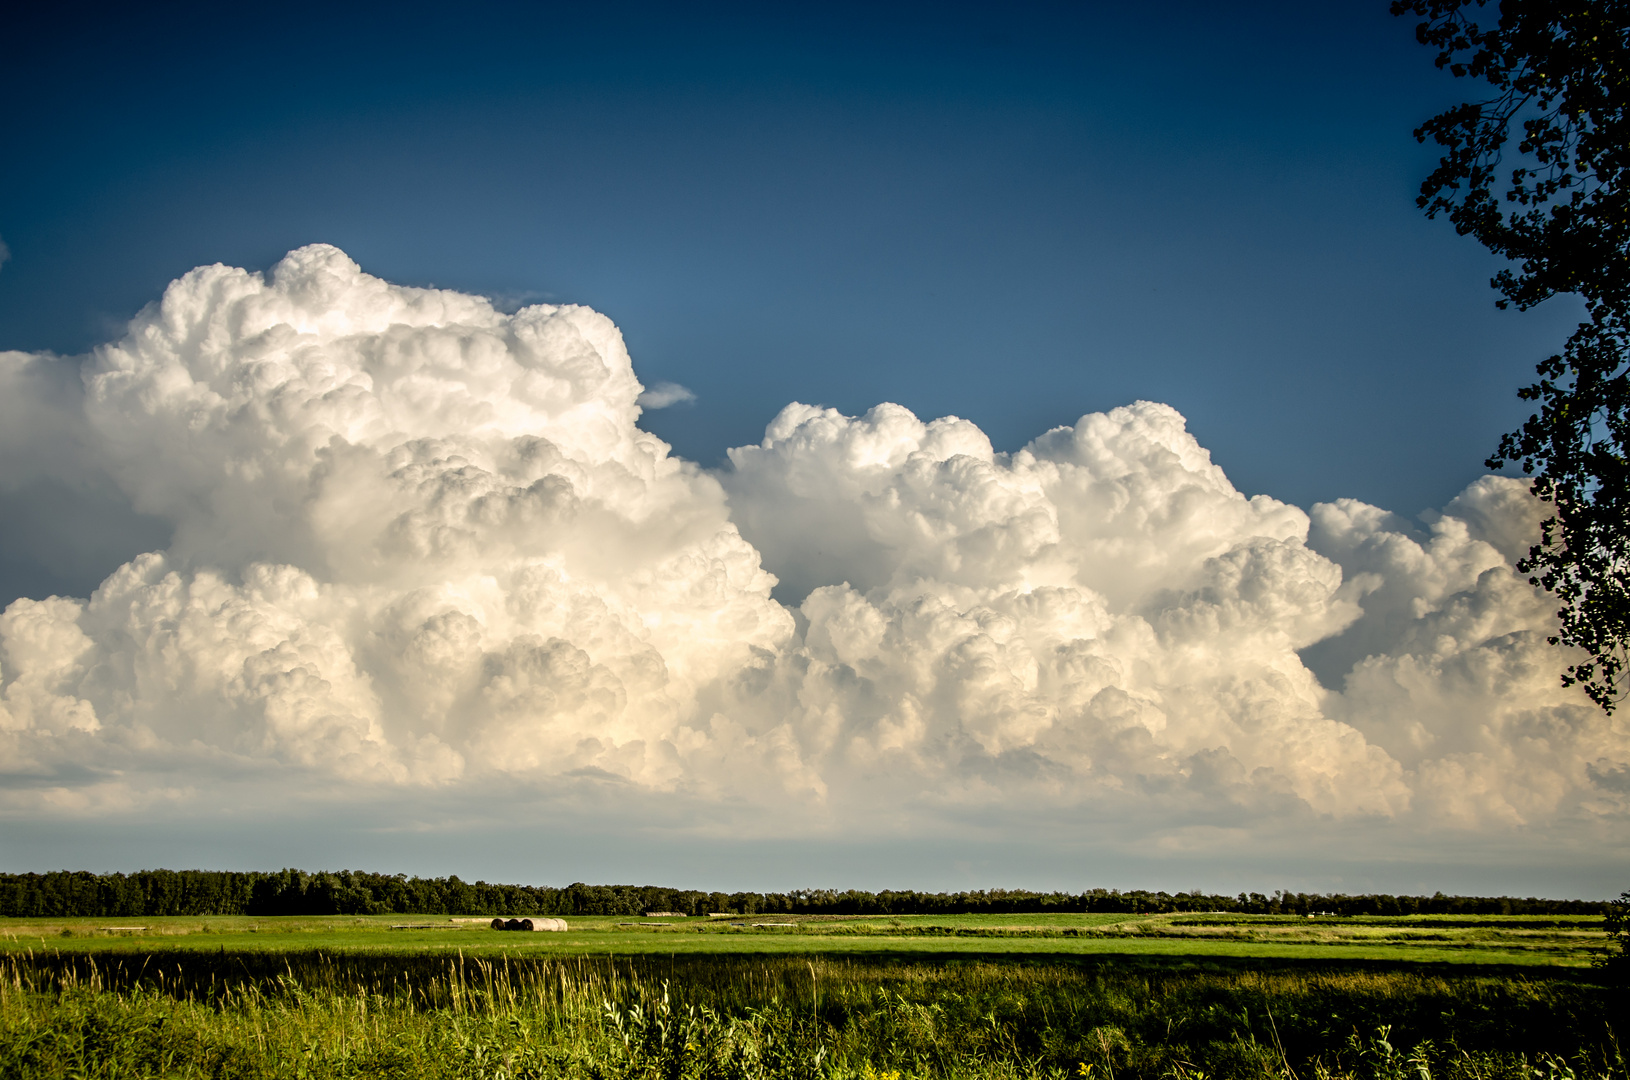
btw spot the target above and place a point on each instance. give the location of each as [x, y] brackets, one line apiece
[419, 544]
[416, 541]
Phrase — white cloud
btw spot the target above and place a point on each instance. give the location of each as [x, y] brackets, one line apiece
[664, 394]
[420, 544]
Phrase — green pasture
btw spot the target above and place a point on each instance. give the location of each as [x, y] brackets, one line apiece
[964, 997]
[1529, 941]
[436, 1014]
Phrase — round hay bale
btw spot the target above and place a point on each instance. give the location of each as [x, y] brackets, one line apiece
[498, 924]
[514, 924]
[526, 924]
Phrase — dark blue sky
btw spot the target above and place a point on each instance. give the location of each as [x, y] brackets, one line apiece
[1013, 214]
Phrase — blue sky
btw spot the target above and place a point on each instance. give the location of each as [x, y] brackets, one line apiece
[1013, 216]
[1016, 216]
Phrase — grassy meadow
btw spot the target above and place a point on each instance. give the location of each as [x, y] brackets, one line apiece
[1477, 940]
[1085, 997]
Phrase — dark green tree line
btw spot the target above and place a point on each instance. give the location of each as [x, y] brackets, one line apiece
[349, 892]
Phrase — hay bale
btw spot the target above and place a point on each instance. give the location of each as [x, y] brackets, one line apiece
[534, 922]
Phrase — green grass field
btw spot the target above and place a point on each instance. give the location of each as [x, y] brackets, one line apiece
[1482, 941]
[1056, 997]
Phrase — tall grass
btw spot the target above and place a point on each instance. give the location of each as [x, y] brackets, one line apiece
[320, 1015]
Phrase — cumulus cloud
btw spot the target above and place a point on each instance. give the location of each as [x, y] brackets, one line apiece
[420, 544]
[664, 394]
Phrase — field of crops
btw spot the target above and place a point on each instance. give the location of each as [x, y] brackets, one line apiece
[1188, 997]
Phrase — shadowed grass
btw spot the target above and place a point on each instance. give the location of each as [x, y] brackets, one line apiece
[310, 1014]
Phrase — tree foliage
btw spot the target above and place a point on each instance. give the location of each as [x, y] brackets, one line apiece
[1555, 204]
[67, 893]
[1616, 919]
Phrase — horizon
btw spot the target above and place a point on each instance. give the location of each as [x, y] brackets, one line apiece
[1250, 896]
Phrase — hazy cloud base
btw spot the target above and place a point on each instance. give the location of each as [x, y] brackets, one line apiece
[427, 568]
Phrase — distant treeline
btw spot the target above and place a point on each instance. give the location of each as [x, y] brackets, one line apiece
[349, 892]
